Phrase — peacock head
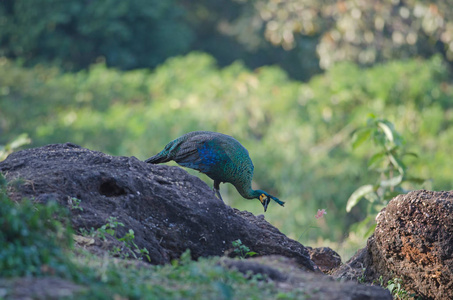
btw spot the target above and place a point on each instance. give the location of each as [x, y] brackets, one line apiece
[265, 198]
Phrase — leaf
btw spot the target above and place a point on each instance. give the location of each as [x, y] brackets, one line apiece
[390, 287]
[411, 154]
[372, 197]
[394, 181]
[388, 131]
[417, 180]
[397, 163]
[360, 136]
[358, 195]
[375, 159]
[370, 231]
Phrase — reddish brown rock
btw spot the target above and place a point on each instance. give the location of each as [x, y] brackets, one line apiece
[413, 241]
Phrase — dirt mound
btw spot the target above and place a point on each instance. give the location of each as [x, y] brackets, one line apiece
[168, 209]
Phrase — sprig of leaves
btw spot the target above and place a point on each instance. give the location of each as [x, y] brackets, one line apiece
[387, 161]
[241, 250]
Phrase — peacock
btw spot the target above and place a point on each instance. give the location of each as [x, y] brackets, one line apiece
[219, 156]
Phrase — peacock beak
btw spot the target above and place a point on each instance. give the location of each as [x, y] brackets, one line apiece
[266, 203]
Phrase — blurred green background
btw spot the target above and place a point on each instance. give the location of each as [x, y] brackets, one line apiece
[290, 79]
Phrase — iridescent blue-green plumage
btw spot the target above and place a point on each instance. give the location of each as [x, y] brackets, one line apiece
[217, 155]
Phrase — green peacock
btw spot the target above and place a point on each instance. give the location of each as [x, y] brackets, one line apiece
[219, 156]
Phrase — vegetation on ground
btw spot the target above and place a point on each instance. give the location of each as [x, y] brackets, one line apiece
[35, 238]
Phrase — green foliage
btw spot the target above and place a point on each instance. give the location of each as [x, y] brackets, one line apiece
[387, 157]
[109, 228]
[241, 250]
[137, 253]
[364, 32]
[74, 34]
[130, 247]
[33, 240]
[387, 160]
[74, 203]
[396, 287]
[183, 279]
[142, 34]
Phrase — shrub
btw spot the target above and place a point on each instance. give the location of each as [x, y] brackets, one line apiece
[33, 241]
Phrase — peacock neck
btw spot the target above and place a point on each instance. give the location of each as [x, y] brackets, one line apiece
[249, 193]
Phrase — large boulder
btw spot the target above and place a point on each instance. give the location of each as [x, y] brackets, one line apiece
[168, 209]
[413, 241]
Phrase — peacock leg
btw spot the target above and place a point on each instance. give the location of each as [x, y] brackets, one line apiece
[217, 189]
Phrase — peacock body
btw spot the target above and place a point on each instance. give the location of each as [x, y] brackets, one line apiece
[219, 156]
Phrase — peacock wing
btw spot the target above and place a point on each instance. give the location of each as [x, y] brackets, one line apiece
[203, 153]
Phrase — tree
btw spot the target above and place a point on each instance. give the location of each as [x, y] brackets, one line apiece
[361, 31]
[75, 33]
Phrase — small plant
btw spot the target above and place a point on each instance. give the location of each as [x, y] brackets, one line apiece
[85, 232]
[395, 286]
[319, 215]
[128, 239]
[387, 161]
[74, 203]
[362, 277]
[242, 250]
[109, 228]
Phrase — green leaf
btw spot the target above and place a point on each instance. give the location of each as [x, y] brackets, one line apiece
[394, 181]
[390, 287]
[360, 136]
[410, 154]
[370, 231]
[371, 197]
[388, 130]
[358, 195]
[375, 159]
[397, 163]
[417, 180]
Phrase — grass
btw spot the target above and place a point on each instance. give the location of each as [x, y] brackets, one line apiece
[183, 279]
[33, 240]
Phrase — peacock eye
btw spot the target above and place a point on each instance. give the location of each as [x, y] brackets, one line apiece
[262, 197]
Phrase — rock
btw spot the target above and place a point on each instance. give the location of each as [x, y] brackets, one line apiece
[168, 209]
[288, 277]
[325, 258]
[413, 241]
